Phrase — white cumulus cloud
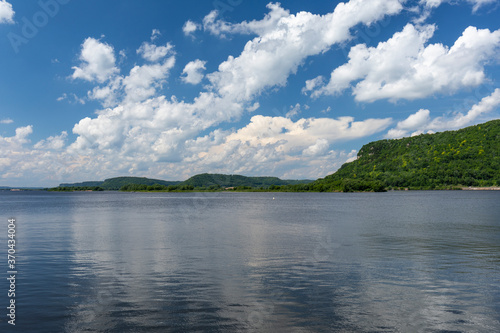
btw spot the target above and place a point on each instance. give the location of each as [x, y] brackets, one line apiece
[313, 84]
[253, 107]
[296, 136]
[52, 142]
[98, 61]
[432, 3]
[190, 27]
[218, 27]
[319, 148]
[154, 53]
[12, 143]
[405, 68]
[6, 12]
[143, 81]
[193, 72]
[285, 40]
[278, 145]
[422, 122]
[155, 34]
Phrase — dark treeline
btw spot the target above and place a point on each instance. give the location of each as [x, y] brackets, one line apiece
[184, 187]
[77, 188]
[207, 179]
[155, 187]
[342, 186]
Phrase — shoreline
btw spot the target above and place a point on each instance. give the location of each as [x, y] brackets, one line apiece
[492, 188]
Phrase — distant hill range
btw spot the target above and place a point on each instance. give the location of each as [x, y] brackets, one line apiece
[207, 179]
[202, 180]
[8, 188]
[452, 159]
[114, 184]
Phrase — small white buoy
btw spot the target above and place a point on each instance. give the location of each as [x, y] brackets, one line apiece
[273, 198]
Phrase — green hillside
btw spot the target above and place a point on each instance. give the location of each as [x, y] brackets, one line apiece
[217, 182]
[206, 180]
[203, 181]
[467, 157]
[118, 182]
[114, 184]
[82, 184]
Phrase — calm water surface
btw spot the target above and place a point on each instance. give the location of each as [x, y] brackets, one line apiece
[236, 262]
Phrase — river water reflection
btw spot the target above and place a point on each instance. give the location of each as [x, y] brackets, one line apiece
[228, 262]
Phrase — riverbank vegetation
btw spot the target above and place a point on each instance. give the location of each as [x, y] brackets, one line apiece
[447, 160]
[75, 189]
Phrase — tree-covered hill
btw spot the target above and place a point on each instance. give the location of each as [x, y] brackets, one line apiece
[113, 184]
[467, 157]
[82, 184]
[201, 182]
[207, 179]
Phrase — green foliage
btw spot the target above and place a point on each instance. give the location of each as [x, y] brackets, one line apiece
[118, 182]
[220, 180]
[467, 157]
[203, 182]
[356, 185]
[114, 184]
[155, 188]
[145, 188]
[76, 188]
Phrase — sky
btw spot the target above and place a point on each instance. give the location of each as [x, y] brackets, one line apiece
[91, 90]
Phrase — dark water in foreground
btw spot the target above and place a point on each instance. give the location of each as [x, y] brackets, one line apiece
[235, 262]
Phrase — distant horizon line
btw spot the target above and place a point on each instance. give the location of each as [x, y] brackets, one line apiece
[8, 187]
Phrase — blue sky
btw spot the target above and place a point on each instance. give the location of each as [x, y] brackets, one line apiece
[168, 89]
